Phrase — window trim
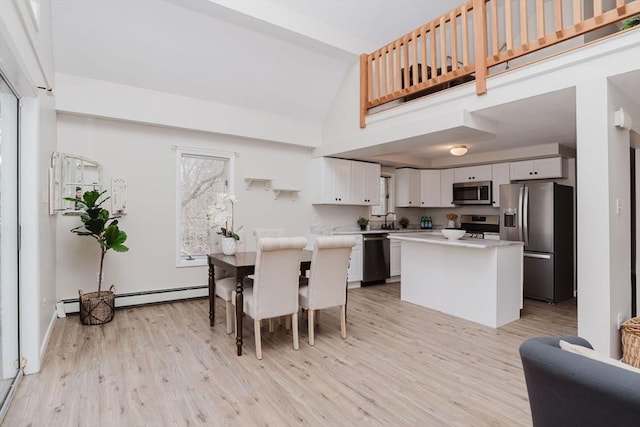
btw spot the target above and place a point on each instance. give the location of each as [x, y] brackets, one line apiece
[197, 261]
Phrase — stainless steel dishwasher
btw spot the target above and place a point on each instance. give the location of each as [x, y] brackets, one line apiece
[376, 259]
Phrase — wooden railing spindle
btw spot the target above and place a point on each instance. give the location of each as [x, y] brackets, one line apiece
[524, 28]
[423, 36]
[558, 18]
[415, 72]
[508, 32]
[434, 61]
[465, 37]
[480, 37]
[540, 21]
[495, 38]
[454, 42]
[577, 13]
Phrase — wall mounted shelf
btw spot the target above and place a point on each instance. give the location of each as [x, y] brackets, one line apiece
[292, 193]
[249, 181]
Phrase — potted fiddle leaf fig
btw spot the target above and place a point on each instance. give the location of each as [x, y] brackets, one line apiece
[97, 308]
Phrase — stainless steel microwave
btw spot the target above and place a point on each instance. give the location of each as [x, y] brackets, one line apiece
[472, 193]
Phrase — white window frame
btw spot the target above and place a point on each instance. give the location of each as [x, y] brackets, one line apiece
[392, 193]
[196, 261]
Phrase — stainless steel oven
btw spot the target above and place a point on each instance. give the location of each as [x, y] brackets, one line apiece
[472, 193]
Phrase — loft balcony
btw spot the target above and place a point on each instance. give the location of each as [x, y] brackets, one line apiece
[478, 40]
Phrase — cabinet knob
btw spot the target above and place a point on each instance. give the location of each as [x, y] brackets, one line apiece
[535, 173]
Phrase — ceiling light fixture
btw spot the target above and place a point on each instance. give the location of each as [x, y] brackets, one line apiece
[458, 150]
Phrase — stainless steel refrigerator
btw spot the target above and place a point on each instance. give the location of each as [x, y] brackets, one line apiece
[540, 214]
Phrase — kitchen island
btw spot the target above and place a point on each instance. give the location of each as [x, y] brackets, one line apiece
[475, 279]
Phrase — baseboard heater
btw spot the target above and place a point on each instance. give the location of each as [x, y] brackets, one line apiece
[141, 298]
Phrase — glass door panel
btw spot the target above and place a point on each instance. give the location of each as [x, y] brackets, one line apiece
[9, 350]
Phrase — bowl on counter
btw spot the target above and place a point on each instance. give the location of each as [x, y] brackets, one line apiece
[453, 233]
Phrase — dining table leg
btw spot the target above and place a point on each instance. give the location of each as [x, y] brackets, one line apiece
[239, 313]
[212, 295]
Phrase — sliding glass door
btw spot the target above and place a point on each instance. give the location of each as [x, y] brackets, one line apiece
[9, 348]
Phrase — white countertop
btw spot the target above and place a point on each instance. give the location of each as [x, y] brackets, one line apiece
[396, 231]
[438, 239]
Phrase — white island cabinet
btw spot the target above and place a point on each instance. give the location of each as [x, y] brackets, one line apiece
[475, 279]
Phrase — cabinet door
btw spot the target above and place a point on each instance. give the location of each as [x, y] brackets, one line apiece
[366, 183]
[394, 268]
[429, 188]
[335, 181]
[473, 173]
[446, 188]
[500, 175]
[550, 168]
[521, 170]
[354, 274]
[407, 187]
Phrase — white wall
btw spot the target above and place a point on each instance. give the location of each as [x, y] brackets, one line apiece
[603, 233]
[27, 60]
[145, 156]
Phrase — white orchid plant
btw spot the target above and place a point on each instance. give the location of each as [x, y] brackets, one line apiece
[220, 214]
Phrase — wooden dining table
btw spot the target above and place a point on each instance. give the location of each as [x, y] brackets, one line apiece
[240, 265]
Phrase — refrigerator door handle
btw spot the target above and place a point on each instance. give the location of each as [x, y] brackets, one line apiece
[520, 196]
[525, 216]
[538, 256]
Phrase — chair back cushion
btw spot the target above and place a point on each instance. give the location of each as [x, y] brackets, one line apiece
[260, 233]
[329, 265]
[275, 286]
[569, 389]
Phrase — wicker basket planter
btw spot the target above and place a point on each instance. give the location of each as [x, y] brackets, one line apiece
[631, 342]
[97, 308]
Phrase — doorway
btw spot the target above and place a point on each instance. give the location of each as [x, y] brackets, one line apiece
[9, 232]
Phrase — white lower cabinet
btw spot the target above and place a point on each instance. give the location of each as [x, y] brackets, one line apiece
[354, 274]
[394, 267]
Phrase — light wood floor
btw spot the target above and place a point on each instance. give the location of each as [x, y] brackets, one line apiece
[401, 365]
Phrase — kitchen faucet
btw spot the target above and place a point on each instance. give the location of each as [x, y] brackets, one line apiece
[385, 226]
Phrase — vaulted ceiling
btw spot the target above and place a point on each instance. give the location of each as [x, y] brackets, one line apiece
[286, 57]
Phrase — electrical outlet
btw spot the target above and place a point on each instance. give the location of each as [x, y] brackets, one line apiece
[619, 320]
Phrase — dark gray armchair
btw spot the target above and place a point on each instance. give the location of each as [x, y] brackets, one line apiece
[567, 389]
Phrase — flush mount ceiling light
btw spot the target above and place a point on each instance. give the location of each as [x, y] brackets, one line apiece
[458, 150]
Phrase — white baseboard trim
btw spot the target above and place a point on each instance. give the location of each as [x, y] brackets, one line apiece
[144, 298]
[47, 336]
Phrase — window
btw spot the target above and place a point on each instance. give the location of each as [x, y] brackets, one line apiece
[201, 176]
[386, 197]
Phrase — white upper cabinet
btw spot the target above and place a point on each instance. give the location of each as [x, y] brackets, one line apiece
[554, 167]
[332, 180]
[429, 188]
[407, 188]
[500, 175]
[365, 183]
[446, 188]
[472, 173]
[344, 182]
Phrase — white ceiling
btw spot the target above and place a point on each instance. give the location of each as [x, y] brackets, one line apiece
[282, 56]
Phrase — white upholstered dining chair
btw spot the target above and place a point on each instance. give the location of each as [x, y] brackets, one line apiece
[328, 280]
[275, 284]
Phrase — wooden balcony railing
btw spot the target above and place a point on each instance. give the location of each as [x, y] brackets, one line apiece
[463, 44]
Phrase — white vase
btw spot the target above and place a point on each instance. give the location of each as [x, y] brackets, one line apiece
[229, 245]
[451, 224]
